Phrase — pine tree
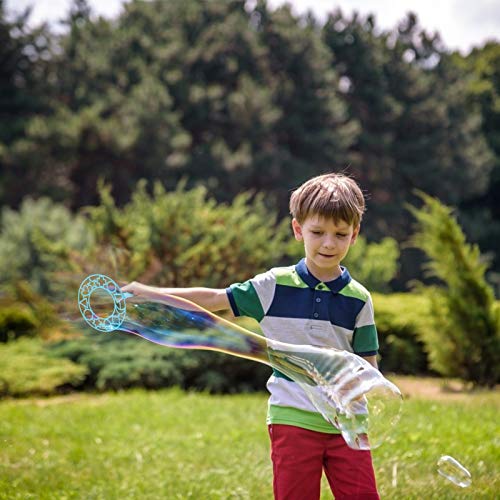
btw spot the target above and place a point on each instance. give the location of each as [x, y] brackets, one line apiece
[464, 340]
[23, 90]
[481, 215]
[415, 130]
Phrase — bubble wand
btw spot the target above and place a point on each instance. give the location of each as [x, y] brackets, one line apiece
[350, 393]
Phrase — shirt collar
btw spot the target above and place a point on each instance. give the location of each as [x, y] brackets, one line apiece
[311, 281]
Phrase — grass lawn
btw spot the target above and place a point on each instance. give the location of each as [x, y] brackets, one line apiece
[169, 444]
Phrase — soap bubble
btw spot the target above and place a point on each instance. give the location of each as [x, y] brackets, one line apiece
[454, 471]
[349, 392]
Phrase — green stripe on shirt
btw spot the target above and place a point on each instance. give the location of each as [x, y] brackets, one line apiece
[355, 290]
[365, 339]
[299, 418]
[288, 277]
[247, 300]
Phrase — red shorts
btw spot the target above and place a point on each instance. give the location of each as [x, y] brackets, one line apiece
[300, 455]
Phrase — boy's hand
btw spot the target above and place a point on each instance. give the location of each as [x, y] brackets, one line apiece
[135, 288]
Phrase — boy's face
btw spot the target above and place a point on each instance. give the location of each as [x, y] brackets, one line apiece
[326, 243]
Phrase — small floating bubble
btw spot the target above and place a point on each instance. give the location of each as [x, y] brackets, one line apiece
[454, 471]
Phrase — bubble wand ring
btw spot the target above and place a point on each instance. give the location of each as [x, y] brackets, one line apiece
[99, 282]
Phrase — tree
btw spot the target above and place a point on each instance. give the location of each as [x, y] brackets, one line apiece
[481, 215]
[465, 339]
[314, 132]
[213, 91]
[23, 70]
[415, 131]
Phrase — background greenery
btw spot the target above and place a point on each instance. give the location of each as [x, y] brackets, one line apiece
[184, 237]
[238, 96]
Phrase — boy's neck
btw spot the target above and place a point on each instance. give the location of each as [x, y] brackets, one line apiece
[326, 276]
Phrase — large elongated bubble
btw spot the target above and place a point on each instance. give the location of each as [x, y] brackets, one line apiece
[344, 388]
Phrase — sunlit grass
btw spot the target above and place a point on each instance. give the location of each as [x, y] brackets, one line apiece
[171, 444]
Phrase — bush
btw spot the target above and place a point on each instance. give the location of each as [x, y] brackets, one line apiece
[16, 321]
[401, 320]
[119, 361]
[464, 340]
[28, 369]
[373, 264]
[26, 313]
[184, 238]
[35, 242]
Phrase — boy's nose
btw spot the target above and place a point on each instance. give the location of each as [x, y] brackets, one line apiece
[329, 242]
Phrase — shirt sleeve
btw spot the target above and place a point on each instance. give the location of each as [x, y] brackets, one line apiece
[365, 337]
[252, 298]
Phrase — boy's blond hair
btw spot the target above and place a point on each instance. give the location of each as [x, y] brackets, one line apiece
[332, 196]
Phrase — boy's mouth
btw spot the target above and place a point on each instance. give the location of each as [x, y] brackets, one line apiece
[325, 255]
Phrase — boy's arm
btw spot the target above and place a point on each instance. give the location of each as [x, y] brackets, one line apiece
[372, 360]
[212, 299]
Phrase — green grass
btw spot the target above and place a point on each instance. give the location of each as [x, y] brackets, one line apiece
[169, 444]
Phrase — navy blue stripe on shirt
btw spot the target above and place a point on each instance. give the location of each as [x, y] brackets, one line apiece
[365, 354]
[232, 302]
[303, 303]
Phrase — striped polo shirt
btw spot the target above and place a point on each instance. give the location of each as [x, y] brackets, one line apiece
[295, 307]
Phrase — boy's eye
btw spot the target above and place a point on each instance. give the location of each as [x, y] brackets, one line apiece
[317, 233]
[341, 235]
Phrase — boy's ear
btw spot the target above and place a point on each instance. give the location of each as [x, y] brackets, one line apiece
[297, 230]
[355, 234]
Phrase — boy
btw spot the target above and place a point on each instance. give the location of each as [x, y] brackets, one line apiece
[314, 302]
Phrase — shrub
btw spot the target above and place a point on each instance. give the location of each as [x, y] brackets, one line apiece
[36, 241]
[34, 313]
[373, 264]
[184, 238]
[464, 340]
[28, 369]
[401, 320]
[120, 361]
[16, 321]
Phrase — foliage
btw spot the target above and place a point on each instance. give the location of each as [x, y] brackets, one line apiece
[16, 321]
[27, 313]
[481, 217]
[197, 89]
[465, 339]
[118, 361]
[415, 131]
[402, 324]
[24, 54]
[184, 238]
[27, 369]
[242, 96]
[35, 242]
[373, 264]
